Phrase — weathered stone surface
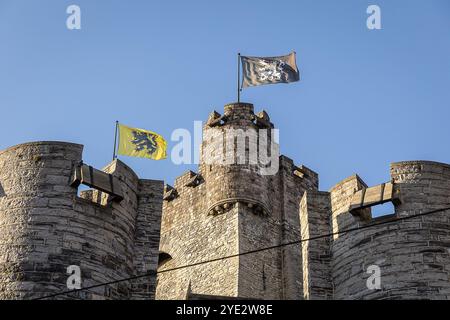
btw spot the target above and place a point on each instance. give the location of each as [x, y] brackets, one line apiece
[45, 227]
[235, 210]
[368, 197]
[405, 251]
[218, 218]
[223, 210]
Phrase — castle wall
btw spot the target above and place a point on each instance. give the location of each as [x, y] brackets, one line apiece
[216, 226]
[412, 254]
[292, 183]
[422, 247]
[241, 210]
[189, 235]
[45, 227]
[259, 272]
[315, 222]
[146, 238]
[36, 205]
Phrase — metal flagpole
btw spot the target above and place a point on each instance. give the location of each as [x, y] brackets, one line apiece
[115, 141]
[239, 79]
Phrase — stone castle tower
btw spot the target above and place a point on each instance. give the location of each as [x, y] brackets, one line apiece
[225, 210]
[236, 215]
[230, 210]
[110, 232]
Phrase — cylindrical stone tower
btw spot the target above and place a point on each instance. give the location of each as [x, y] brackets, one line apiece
[231, 160]
[47, 231]
[237, 205]
[410, 258]
[35, 201]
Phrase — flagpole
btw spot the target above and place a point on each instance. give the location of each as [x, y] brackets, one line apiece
[239, 79]
[115, 141]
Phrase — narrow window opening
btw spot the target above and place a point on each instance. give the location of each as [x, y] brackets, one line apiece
[163, 258]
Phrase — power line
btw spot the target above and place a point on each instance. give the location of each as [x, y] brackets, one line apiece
[152, 273]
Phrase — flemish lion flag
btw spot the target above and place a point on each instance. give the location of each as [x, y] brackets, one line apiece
[141, 143]
[268, 70]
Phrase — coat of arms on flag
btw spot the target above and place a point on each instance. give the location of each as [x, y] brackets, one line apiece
[135, 142]
[268, 70]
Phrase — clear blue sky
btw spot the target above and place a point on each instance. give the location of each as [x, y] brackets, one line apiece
[367, 98]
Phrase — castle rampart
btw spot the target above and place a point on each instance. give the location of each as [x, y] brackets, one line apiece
[412, 254]
[232, 208]
[45, 227]
[115, 230]
[235, 209]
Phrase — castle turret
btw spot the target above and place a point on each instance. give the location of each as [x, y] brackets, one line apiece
[410, 256]
[246, 197]
[248, 224]
[229, 156]
[108, 233]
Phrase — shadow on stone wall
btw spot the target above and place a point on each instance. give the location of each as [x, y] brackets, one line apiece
[2, 191]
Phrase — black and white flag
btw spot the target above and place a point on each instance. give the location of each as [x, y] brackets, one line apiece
[268, 70]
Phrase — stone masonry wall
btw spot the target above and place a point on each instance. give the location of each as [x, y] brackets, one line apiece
[259, 273]
[35, 207]
[189, 235]
[412, 255]
[45, 227]
[146, 238]
[291, 182]
[223, 210]
[234, 210]
[315, 222]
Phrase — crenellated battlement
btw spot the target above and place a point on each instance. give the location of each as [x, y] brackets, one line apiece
[406, 251]
[230, 202]
[240, 115]
[124, 225]
[235, 209]
[46, 227]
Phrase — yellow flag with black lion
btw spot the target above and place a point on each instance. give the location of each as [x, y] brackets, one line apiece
[134, 142]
